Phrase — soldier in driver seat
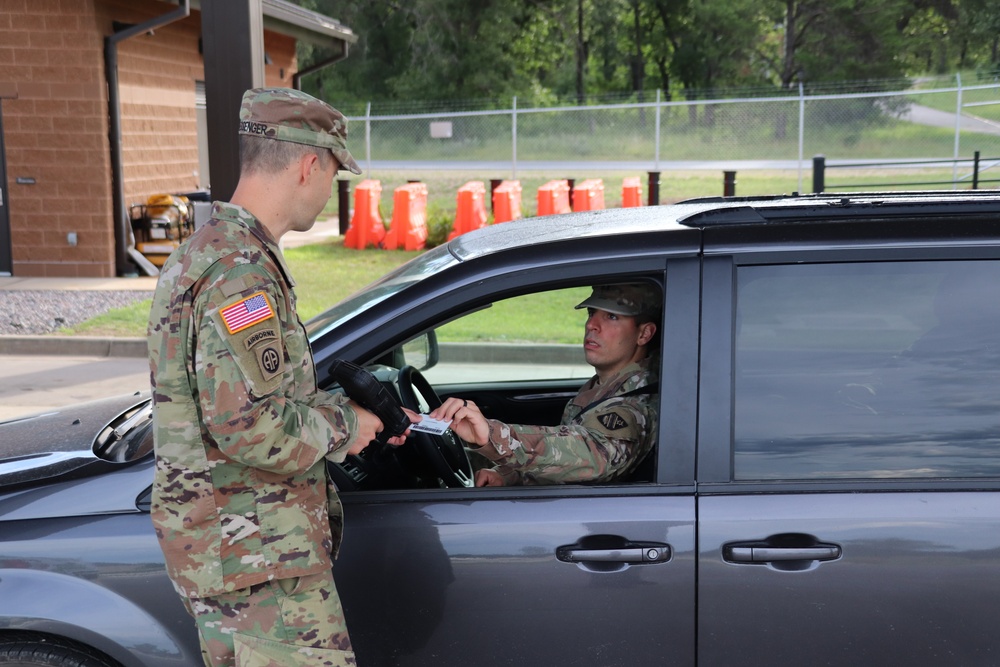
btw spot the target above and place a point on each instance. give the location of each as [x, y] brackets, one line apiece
[607, 429]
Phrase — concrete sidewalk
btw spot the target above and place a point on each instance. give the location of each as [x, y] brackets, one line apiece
[38, 383]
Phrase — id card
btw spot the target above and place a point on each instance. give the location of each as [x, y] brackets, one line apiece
[432, 426]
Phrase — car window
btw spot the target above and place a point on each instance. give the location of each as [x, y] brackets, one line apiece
[867, 370]
[519, 360]
[528, 337]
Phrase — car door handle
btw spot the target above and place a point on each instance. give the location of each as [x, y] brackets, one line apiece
[783, 551]
[750, 554]
[633, 554]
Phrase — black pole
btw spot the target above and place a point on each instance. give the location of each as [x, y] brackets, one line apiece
[729, 184]
[121, 220]
[975, 171]
[494, 184]
[654, 188]
[344, 204]
[819, 173]
[233, 46]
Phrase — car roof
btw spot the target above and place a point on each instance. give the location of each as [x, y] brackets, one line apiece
[555, 228]
[724, 212]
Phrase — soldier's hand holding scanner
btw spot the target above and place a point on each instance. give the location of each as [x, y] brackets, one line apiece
[380, 417]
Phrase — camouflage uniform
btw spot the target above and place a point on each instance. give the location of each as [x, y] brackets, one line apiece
[605, 431]
[604, 434]
[244, 511]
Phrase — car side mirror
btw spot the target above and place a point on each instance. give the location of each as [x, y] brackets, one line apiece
[422, 352]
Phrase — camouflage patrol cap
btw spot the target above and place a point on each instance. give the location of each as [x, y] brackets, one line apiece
[286, 114]
[625, 299]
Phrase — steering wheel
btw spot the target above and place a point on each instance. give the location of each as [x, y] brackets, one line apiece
[446, 453]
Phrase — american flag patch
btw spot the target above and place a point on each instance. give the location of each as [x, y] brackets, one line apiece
[247, 312]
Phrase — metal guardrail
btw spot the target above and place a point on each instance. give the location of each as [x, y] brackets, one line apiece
[974, 178]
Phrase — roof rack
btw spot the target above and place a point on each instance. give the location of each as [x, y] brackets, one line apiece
[824, 207]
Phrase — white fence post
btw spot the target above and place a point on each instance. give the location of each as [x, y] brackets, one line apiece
[368, 138]
[958, 132]
[657, 159]
[802, 129]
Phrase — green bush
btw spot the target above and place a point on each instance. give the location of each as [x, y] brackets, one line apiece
[439, 224]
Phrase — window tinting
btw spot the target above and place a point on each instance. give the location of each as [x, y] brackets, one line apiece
[868, 370]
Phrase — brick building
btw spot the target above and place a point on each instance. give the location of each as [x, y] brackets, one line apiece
[59, 164]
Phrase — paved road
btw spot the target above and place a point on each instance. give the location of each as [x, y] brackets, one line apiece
[31, 383]
[915, 113]
[922, 115]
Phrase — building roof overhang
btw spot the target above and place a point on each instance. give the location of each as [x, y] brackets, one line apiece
[286, 18]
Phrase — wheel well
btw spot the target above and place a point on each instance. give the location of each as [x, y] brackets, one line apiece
[88, 655]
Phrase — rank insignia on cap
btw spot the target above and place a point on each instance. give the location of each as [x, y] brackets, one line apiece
[247, 312]
[612, 421]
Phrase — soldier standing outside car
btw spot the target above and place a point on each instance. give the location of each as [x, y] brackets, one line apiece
[242, 505]
[607, 429]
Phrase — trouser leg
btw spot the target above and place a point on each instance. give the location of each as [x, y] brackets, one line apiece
[282, 623]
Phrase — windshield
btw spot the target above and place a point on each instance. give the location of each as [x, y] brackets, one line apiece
[391, 283]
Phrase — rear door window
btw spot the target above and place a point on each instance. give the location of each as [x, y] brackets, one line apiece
[867, 370]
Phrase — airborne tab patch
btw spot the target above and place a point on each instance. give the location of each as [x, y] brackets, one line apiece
[246, 313]
[612, 421]
[258, 336]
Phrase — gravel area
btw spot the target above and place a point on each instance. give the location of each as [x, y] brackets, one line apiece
[33, 312]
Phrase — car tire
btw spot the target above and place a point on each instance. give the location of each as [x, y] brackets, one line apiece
[20, 650]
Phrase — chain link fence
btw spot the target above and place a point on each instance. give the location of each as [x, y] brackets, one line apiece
[874, 125]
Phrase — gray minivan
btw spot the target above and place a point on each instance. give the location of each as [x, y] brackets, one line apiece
[825, 487]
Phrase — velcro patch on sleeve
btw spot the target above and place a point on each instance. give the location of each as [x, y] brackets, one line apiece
[612, 421]
[246, 312]
[235, 286]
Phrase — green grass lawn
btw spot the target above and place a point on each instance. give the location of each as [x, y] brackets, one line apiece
[324, 273]
[328, 272]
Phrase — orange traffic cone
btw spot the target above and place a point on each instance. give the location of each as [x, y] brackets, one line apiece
[589, 195]
[471, 212]
[553, 198]
[631, 192]
[408, 228]
[366, 229]
[507, 201]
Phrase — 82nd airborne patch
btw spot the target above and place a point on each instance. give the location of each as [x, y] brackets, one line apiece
[266, 346]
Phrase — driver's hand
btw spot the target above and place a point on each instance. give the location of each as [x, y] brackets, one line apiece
[467, 422]
[488, 477]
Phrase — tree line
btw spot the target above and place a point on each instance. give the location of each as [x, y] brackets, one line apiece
[547, 51]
